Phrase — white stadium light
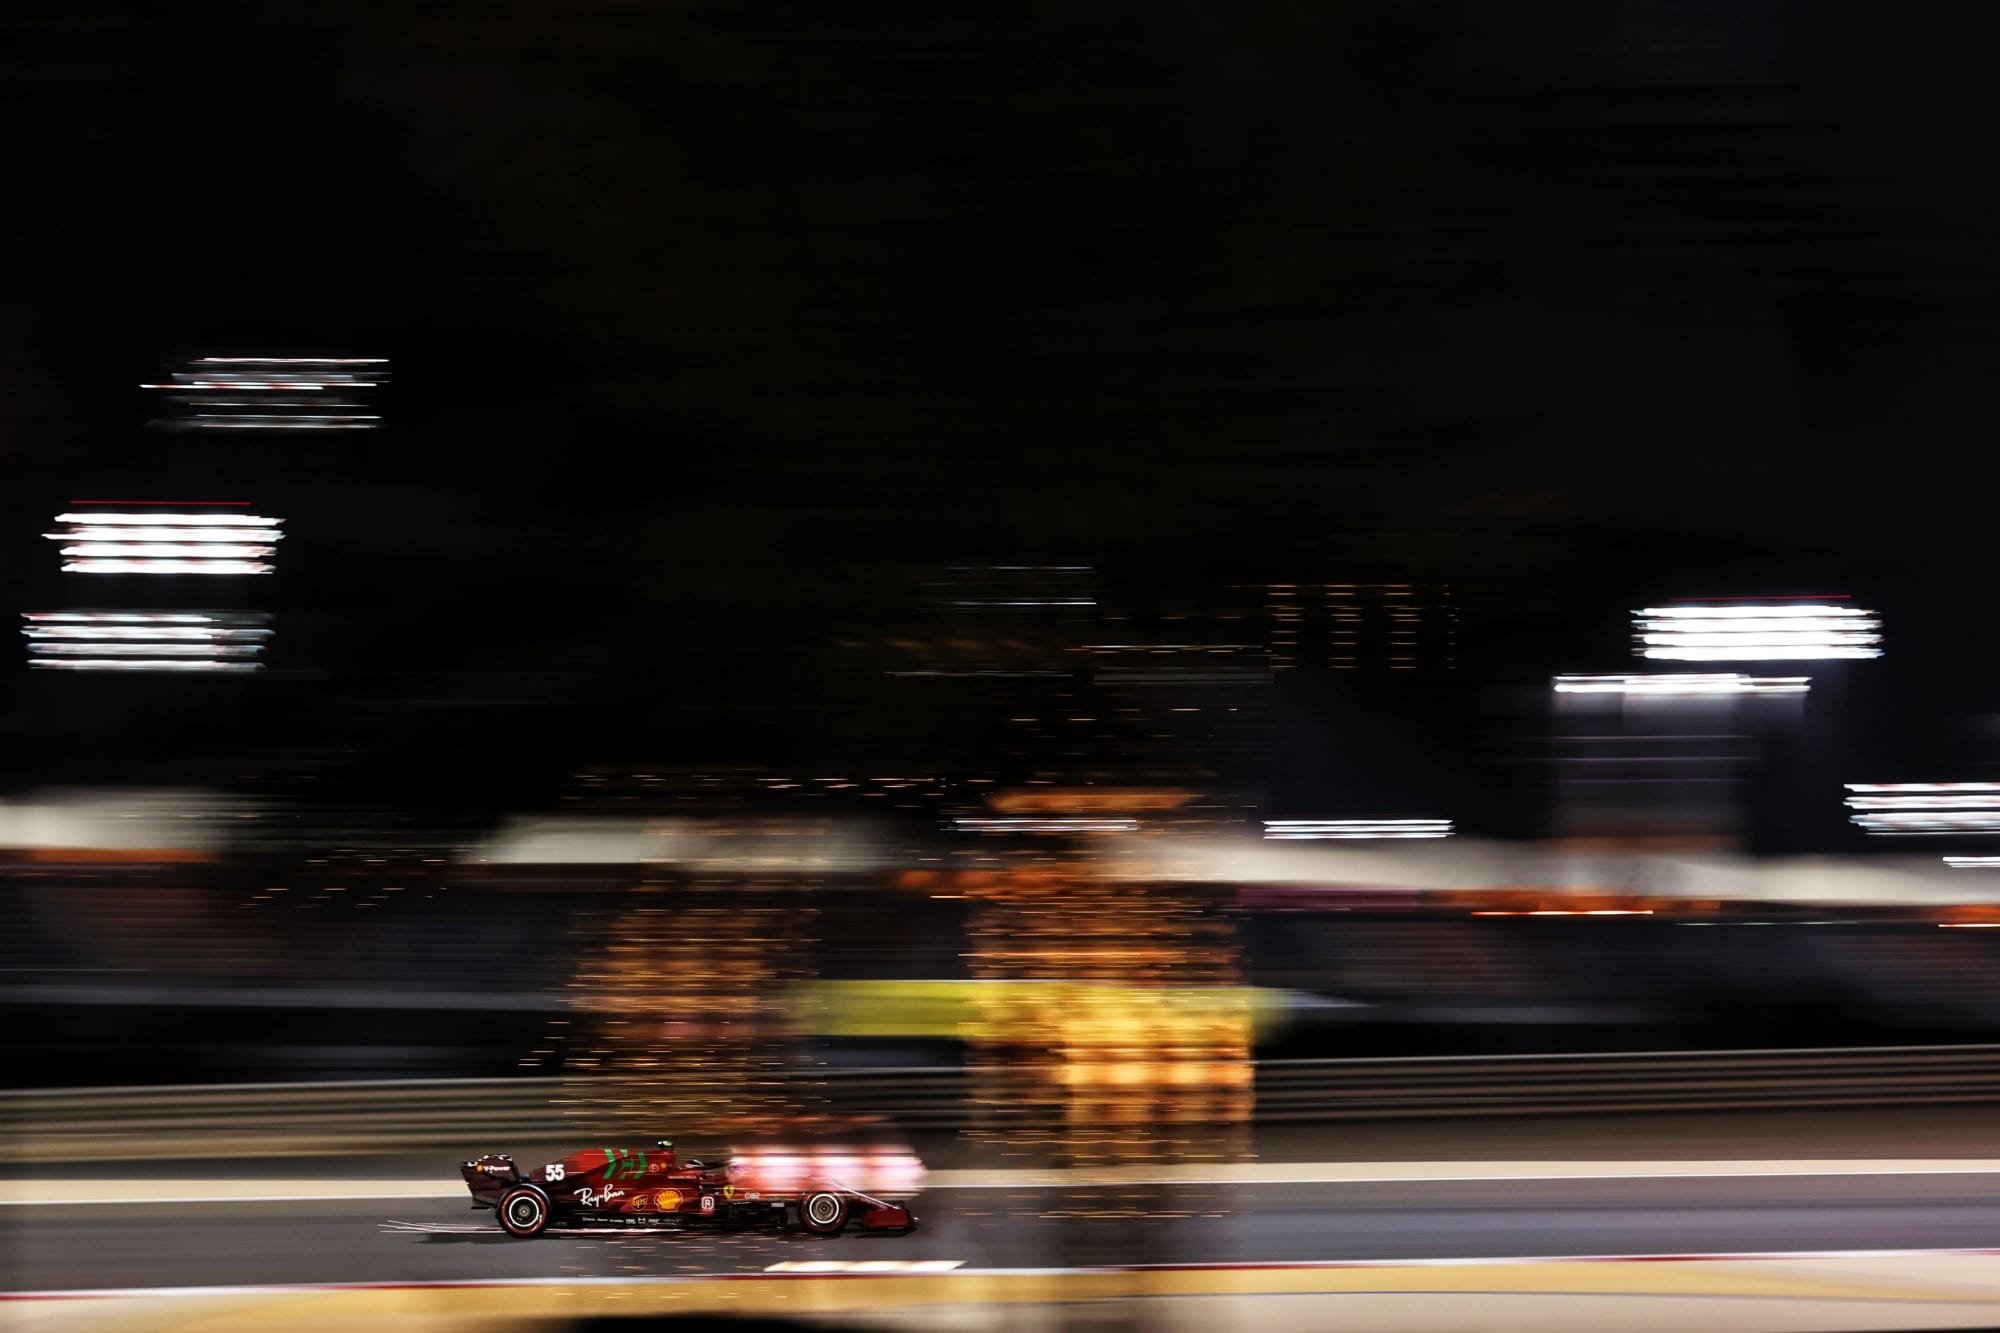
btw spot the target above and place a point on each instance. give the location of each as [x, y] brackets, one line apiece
[1687, 684]
[1925, 809]
[146, 640]
[129, 550]
[103, 541]
[1302, 830]
[165, 567]
[1973, 862]
[1745, 632]
[132, 529]
[272, 392]
[201, 520]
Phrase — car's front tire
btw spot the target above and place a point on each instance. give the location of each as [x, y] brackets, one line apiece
[524, 1211]
[823, 1212]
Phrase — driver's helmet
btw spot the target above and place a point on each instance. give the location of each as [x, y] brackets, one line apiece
[666, 1147]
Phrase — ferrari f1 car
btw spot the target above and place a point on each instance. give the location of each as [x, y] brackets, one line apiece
[604, 1189]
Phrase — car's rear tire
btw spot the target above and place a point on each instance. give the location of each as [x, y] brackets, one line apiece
[823, 1212]
[524, 1211]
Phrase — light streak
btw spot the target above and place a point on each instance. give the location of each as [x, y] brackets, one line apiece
[1757, 632]
[1918, 809]
[167, 550]
[143, 664]
[274, 393]
[145, 641]
[209, 520]
[1047, 824]
[160, 533]
[165, 567]
[1355, 829]
[71, 650]
[1725, 683]
[105, 541]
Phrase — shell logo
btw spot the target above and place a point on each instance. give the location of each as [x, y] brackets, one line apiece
[667, 1200]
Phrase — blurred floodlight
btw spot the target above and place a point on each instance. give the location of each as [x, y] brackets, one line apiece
[715, 843]
[163, 541]
[145, 640]
[1973, 862]
[1753, 632]
[1355, 829]
[165, 567]
[1687, 684]
[1940, 802]
[1925, 808]
[131, 550]
[272, 392]
[117, 820]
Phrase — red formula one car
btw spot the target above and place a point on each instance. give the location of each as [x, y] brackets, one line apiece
[604, 1189]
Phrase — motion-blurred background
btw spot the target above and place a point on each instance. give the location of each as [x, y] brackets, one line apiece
[1089, 582]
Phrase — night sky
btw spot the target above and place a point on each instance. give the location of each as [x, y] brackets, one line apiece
[711, 323]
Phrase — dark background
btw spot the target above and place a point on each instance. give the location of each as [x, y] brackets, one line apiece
[713, 325]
